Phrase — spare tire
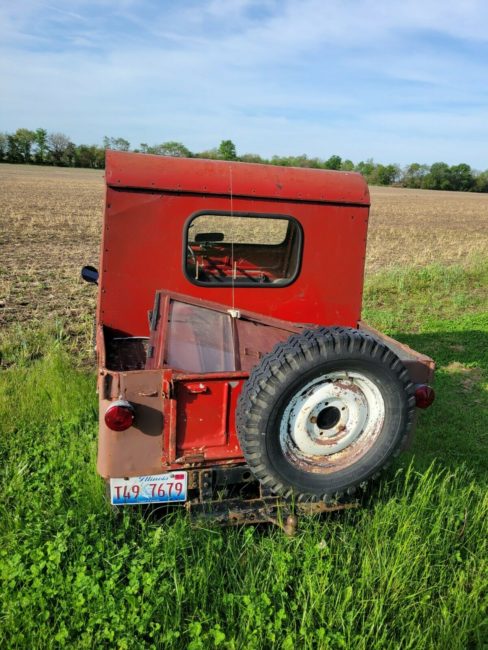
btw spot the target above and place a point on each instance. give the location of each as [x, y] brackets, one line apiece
[323, 413]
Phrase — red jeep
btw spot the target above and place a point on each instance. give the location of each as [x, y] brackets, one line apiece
[235, 373]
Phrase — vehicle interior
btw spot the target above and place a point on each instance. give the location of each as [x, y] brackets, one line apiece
[222, 249]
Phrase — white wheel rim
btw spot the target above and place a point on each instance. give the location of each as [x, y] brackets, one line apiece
[335, 415]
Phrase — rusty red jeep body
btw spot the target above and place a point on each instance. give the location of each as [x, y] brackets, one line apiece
[230, 345]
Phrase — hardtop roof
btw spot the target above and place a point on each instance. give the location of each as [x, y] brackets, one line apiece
[220, 177]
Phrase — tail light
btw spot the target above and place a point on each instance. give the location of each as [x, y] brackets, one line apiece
[120, 415]
[424, 396]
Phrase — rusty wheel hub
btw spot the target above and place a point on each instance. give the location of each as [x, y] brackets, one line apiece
[332, 413]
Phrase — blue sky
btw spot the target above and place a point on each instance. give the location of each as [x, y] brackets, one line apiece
[396, 81]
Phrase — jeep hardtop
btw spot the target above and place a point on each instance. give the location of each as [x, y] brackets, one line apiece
[234, 372]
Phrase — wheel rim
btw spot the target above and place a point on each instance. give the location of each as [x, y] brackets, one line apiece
[332, 420]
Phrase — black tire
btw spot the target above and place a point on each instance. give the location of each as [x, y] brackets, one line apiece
[363, 404]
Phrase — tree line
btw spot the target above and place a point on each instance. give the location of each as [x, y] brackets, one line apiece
[42, 148]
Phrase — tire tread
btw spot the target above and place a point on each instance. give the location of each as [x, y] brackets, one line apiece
[289, 359]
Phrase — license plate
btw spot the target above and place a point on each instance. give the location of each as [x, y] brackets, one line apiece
[158, 488]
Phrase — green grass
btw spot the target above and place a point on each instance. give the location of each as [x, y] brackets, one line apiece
[443, 312]
[407, 570]
[412, 300]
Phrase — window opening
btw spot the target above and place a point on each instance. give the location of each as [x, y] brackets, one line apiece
[242, 250]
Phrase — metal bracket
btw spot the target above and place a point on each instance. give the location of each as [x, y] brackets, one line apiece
[271, 510]
[206, 485]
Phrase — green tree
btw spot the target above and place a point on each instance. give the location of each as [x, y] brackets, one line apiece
[481, 182]
[438, 177]
[90, 156]
[366, 168]
[154, 150]
[281, 160]
[252, 158]
[301, 161]
[61, 149]
[313, 163]
[40, 140]
[461, 177]
[175, 149]
[14, 155]
[20, 145]
[227, 150]
[296, 161]
[212, 154]
[98, 155]
[414, 174]
[385, 174]
[116, 144]
[334, 162]
[347, 166]
[3, 146]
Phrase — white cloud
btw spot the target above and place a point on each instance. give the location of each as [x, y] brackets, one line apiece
[391, 80]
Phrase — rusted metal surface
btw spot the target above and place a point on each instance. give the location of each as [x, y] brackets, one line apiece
[257, 507]
[271, 510]
[185, 410]
[331, 422]
[137, 450]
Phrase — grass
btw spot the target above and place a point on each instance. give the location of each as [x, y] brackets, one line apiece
[445, 317]
[436, 293]
[406, 570]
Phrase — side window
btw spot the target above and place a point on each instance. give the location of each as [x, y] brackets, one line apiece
[242, 249]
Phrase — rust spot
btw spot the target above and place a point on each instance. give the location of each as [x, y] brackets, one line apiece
[270, 509]
[348, 387]
[328, 442]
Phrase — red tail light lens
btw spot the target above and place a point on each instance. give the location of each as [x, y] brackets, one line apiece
[119, 416]
[424, 396]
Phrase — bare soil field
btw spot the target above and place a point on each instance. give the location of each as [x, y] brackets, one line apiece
[420, 227]
[50, 224]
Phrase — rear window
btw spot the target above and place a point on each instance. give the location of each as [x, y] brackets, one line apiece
[242, 249]
[199, 339]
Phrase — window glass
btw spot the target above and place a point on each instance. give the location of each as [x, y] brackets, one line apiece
[199, 339]
[248, 250]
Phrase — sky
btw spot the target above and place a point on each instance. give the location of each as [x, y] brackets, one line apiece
[394, 81]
